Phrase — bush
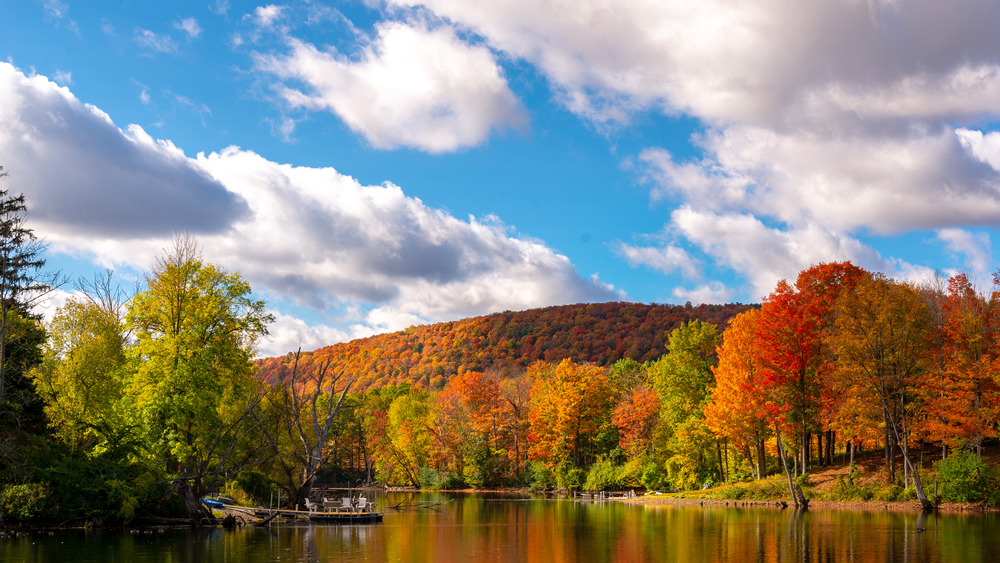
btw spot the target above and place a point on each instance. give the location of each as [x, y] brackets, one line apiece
[966, 477]
[843, 491]
[653, 478]
[542, 478]
[889, 492]
[450, 480]
[604, 475]
[433, 479]
[255, 485]
[570, 477]
[25, 502]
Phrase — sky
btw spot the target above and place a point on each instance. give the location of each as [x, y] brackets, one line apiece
[368, 165]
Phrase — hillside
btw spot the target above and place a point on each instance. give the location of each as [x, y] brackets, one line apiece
[425, 356]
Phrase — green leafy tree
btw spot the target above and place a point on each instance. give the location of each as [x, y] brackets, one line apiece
[684, 381]
[80, 378]
[195, 328]
[22, 279]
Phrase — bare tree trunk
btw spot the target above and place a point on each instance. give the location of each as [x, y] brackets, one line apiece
[797, 497]
[850, 471]
[761, 459]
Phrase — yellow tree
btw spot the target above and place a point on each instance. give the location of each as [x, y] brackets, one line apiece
[569, 404]
[879, 339]
[195, 328]
[81, 376]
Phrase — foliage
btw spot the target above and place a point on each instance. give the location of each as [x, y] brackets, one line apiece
[598, 333]
[570, 477]
[255, 485]
[543, 478]
[25, 502]
[966, 477]
[570, 405]
[195, 328]
[81, 378]
[22, 280]
[653, 478]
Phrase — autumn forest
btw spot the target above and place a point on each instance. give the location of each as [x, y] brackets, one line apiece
[134, 403]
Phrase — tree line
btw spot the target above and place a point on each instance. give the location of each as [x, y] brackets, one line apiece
[133, 401]
[428, 355]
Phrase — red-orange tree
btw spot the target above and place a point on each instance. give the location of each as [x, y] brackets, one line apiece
[636, 416]
[963, 399]
[737, 409]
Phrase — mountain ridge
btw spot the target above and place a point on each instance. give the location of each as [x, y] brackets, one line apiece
[426, 356]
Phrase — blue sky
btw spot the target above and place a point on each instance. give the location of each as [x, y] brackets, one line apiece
[372, 164]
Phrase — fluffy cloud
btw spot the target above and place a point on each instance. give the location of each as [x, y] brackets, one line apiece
[667, 259]
[822, 120]
[765, 254]
[972, 249]
[86, 177]
[411, 87]
[313, 236]
[320, 236]
[756, 61]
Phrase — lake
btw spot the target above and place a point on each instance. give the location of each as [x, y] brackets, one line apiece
[474, 528]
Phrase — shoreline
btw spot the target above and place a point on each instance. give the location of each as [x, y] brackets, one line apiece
[814, 504]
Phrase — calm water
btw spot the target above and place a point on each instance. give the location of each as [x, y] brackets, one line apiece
[474, 528]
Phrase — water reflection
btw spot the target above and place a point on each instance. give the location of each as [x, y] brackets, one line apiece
[473, 528]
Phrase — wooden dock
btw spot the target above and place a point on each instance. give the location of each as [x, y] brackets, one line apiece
[328, 517]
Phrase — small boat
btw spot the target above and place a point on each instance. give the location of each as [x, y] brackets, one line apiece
[212, 503]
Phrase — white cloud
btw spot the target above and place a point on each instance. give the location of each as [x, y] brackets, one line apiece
[63, 78]
[844, 183]
[154, 41]
[312, 236]
[107, 182]
[754, 61]
[764, 254]
[321, 237]
[666, 259]
[267, 16]
[984, 147]
[973, 249]
[189, 26]
[219, 7]
[289, 333]
[714, 292]
[411, 87]
[820, 120]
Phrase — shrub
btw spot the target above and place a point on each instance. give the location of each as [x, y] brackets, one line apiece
[255, 485]
[965, 477]
[653, 478]
[450, 480]
[604, 475]
[542, 478]
[25, 502]
[570, 477]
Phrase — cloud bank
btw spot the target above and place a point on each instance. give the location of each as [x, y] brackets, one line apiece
[823, 121]
[312, 236]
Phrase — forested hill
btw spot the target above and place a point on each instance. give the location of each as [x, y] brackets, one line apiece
[427, 355]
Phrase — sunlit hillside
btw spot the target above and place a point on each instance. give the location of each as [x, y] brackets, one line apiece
[425, 356]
